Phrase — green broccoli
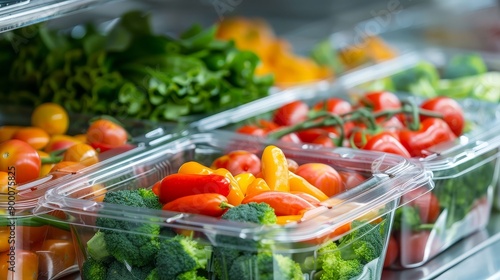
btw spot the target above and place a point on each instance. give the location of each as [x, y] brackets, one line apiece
[259, 213]
[93, 270]
[96, 247]
[190, 275]
[133, 243]
[330, 265]
[422, 79]
[267, 266]
[464, 65]
[150, 199]
[179, 255]
[119, 271]
[230, 248]
[365, 244]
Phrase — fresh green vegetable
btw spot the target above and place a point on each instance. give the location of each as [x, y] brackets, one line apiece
[118, 271]
[421, 79]
[229, 248]
[267, 266]
[138, 248]
[92, 269]
[464, 65]
[346, 257]
[130, 71]
[259, 213]
[324, 54]
[96, 247]
[180, 255]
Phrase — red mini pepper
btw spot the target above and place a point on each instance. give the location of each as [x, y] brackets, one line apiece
[210, 204]
[177, 185]
[283, 203]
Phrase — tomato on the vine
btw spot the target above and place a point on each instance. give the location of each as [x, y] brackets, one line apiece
[386, 142]
[20, 159]
[380, 100]
[432, 132]
[452, 112]
[292, 113]
[334, 105]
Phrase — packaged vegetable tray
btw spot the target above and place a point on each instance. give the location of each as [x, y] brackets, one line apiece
[44, 249]
[171, 211]
[465, 164]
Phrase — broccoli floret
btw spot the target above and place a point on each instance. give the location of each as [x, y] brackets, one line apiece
[96, 247]
[153, 275]
[259, 213]
[228, 247]
[464, 66]
[421, 79]
[364, 244]
[191, 275]
[119, 271]
[332, 266]
[150, 199]
[267, 266]
[133, 243]
[93, 270]
[179, 255]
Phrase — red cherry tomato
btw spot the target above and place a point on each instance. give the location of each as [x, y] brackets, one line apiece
[452, 112]
[238, 161]
[414, 246]
[386, 142]
[380, 100]
[432, 132]
[334, 105]
[427, 205]
[322, 176]
[291, 113]
[351, 179]
[392, 252]
[20, 160]
[106, 133]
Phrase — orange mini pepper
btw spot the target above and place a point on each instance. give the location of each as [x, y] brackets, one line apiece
[193, 167]
[256, 186]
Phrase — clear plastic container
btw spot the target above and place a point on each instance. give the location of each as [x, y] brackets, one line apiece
[465, 171]
[368, 207]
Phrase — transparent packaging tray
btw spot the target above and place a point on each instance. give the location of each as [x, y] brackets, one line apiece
[471, 160]
[371, 202]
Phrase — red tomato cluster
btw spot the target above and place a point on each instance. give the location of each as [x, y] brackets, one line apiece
[240, 177]
[33, 151]
[378, 121]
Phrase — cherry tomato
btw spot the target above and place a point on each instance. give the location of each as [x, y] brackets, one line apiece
[291, 113]
[252, 129]
[60, 142]
[106, 133]
[82, 153]
[380, 100]
[452, 112]
[50, 117]
[25, 264]
[238, 161]
[351, 179]
[28, 236]
[6, 131]
[414, 246]
[55, 255]
[392, 252]
[432, 132]
[35, 136]
[322, 176]
[427, 205]
[67, 166]
[20, 159]
[386, 142]
[334, 105]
